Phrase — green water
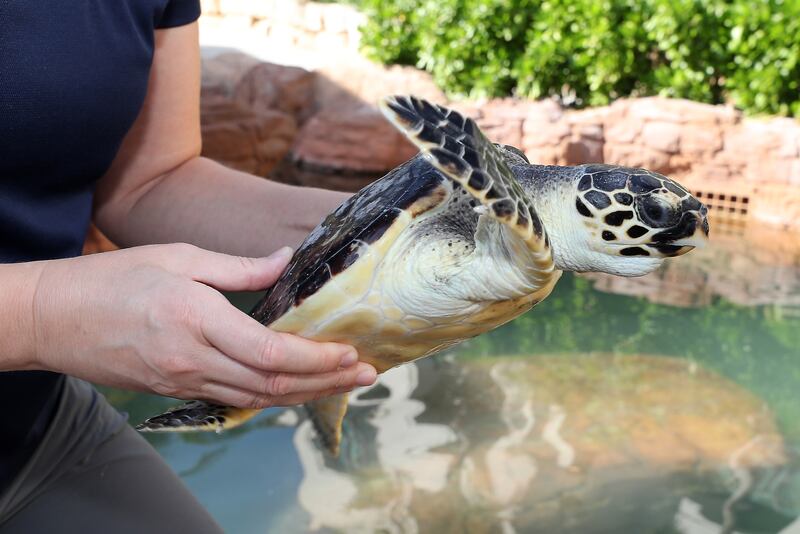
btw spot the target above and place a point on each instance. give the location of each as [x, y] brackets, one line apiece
[594, 412]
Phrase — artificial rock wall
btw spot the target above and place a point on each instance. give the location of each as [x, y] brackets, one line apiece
[257, 114]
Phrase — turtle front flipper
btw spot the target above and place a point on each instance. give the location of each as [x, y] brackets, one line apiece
[455, 146]
[197, 416]
[327, 415]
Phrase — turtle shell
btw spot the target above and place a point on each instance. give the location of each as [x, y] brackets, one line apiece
[337, 243]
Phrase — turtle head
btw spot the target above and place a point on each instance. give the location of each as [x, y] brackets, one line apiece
[632, 219]
[614, 219]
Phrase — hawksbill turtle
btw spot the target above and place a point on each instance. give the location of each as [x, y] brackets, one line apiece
[460, 239]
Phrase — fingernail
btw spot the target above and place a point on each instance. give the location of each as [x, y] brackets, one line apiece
[282, 253]
[349, 359]
[366, 377]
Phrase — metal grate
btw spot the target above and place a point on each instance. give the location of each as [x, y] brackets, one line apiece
[735, 203]
[730, 205]
[728, 210]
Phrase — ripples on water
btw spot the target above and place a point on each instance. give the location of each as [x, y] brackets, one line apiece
[669, 403]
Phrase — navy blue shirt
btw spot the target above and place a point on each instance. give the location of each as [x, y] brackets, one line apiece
[73, 76]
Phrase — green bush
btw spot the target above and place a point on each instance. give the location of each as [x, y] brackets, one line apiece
[589, 52]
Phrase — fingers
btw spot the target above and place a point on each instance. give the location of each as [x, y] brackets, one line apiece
[234, 374]
[233, 273]
[246, 340]
[232, 396]
[284, 384]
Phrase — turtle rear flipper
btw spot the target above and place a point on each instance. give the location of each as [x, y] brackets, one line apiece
[327, 415]
[197, 416]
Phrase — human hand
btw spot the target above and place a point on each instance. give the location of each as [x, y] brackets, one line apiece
[151, 319]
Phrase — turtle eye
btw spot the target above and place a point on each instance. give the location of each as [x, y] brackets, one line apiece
[656, 212]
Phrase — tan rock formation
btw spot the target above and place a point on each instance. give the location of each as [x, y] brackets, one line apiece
[352, 81]
[221, 74]
[267, 87]
[250, 110]
[347, 132]
[243, 138]
[358, 139]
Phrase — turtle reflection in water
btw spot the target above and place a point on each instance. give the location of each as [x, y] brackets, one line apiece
[460, 239]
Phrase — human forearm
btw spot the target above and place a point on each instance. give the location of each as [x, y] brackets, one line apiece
[217, 208]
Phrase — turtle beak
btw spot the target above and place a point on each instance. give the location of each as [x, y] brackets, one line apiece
[699, 237]
[690, 232]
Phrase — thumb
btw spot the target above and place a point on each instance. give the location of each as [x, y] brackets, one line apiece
[240, 273]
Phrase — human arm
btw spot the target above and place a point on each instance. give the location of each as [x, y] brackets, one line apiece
[143, 318]
[159, 189]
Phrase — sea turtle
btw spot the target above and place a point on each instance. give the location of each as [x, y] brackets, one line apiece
[456, 241]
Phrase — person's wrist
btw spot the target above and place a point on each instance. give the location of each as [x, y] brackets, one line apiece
[20, 282]
[54, 304]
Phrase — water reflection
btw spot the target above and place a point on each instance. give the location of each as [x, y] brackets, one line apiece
[747, 265]
[403, 461]
[596, 443]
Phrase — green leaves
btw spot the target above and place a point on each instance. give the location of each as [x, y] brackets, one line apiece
[590, 52]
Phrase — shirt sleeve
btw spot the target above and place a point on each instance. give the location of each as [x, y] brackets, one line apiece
[178, 13]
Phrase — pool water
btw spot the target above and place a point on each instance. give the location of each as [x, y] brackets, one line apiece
[666, 404]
